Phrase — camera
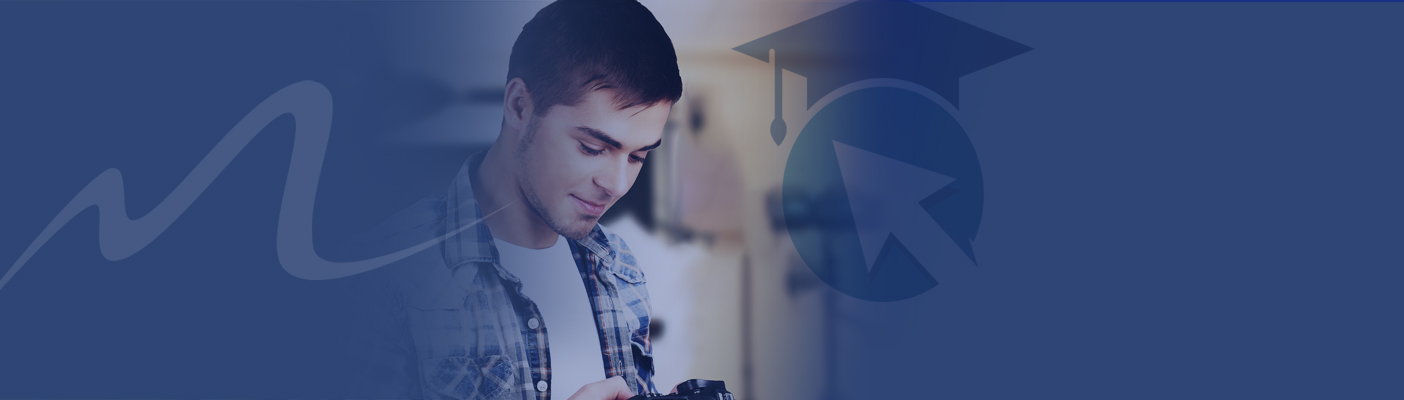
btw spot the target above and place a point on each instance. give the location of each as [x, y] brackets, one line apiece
[692, 389]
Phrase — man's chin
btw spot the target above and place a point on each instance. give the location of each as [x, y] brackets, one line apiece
[580, 228]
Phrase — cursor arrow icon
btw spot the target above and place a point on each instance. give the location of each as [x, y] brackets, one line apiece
[885, 197]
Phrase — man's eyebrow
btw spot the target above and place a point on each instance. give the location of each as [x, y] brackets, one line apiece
[652, 146]
[601, 136]
[604, 137]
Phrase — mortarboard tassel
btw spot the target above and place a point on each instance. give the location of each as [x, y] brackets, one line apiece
[777, 127]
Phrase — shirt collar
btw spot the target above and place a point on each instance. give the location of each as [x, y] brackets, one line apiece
[597, 242]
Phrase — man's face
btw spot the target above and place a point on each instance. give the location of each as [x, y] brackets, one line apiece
[576, 161]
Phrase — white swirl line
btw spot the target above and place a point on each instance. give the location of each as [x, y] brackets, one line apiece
[310, 104]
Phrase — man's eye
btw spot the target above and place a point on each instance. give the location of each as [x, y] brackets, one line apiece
[635, 159]
[590, 151]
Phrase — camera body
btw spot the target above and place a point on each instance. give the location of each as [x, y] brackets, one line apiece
[693, 389]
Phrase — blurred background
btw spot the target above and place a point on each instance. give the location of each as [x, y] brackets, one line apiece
[1144, 234]
[1102, 274]
[732, 299]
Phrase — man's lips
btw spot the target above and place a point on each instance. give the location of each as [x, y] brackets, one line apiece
[591, 209]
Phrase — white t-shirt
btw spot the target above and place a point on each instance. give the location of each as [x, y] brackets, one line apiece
[551, 280]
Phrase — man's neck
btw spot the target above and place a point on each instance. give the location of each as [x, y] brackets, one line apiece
[508, 216]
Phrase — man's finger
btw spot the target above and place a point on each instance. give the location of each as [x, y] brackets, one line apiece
[608, 389]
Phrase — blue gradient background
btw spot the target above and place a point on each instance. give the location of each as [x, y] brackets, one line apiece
[1182, 200]
[205, 310]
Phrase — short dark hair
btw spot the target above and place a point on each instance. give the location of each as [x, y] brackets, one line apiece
[572, 47]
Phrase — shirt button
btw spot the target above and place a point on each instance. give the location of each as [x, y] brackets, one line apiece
[533, 323]
[540, 385]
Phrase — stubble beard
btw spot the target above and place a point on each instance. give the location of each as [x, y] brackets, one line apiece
[528, 191]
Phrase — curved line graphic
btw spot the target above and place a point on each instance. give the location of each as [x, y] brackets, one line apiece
[310, 104]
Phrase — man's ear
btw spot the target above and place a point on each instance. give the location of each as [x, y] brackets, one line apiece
[516, 104]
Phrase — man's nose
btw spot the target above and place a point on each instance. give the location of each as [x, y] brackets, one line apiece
[614, 177]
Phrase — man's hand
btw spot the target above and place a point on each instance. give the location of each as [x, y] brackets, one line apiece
[608, 389]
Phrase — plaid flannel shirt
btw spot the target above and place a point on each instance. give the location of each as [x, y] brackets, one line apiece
[459, 324]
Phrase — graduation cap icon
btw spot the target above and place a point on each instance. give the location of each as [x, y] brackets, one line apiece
[868, 39]
[883, 179]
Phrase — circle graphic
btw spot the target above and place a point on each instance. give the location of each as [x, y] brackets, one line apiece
[874, 184]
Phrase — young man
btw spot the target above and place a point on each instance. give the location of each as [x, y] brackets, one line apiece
[528, 297]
